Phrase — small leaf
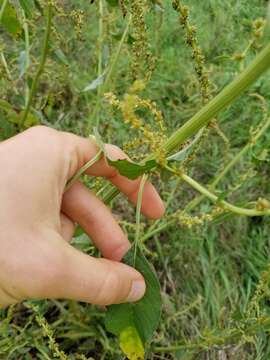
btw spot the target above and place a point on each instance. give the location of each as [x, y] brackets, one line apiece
[10, 20]
[184, 153]
[130, 169]
[95, 83]
[140, 319]
[126, 167]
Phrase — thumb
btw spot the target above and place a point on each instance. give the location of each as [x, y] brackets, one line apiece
[97, 281]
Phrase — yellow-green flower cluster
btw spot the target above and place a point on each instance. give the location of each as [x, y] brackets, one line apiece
[131, 102]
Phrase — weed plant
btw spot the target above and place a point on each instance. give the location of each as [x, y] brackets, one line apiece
[150, 66]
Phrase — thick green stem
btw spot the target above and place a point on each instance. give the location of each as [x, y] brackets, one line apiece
[41, 64]
[259, 65]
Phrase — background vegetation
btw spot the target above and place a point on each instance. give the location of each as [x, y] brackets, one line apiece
[209, 267]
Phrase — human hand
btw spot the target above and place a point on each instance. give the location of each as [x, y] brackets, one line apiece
[37, 221]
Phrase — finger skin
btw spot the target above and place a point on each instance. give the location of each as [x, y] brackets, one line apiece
[83, 207]
[97, 281]
[36, 260]
[83, 150]
[59, 271]
[67, 227]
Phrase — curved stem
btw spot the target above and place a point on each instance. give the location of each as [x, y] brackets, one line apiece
[215, 199]
[193, 203]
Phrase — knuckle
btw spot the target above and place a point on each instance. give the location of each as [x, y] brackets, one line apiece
[111, 288]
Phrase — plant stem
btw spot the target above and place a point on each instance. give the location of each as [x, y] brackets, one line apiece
[83, 169]
[3, 7]
[102, 88]
[259, 65]
[222, 203]
[100, 58]
[116, 56]
[41, 64]
[27, 52]
[138, 215]
[193, 203]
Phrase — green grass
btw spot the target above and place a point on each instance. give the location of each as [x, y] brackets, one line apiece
[208, 273]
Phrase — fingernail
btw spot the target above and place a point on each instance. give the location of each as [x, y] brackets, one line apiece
[137, 291]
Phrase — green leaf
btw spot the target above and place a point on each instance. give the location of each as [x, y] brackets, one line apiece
[125, 167]
[181, 155]
[28, 7]
[10, 20]
[130, 169]
[135, 323]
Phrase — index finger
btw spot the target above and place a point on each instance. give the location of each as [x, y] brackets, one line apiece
[81, 150]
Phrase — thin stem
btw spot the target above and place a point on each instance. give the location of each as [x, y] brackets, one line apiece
[3, 7]
[83, 169]
[222, 203]
[102, 88]
[157, 230]
[116, 56]
[138, 215]
[4, 62]
[193, 203]
[27, 52]
[100, 58]
[41, 64]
